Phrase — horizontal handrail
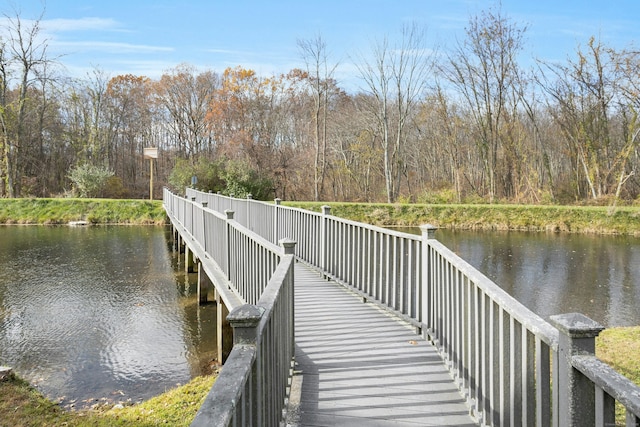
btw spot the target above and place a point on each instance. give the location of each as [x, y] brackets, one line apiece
[616, 386]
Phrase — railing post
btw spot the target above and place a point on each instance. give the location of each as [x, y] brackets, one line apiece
[229, 213]
[289, 248]
[324, 244]
[249, 223]
[428, 233]
[193, 202]
[204, 227]
[245, 321]
[575, 393]
[277, 202]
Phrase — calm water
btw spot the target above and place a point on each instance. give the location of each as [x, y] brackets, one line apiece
[99, 313]
[598, 276]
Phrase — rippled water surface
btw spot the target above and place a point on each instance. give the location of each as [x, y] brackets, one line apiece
[99, 313]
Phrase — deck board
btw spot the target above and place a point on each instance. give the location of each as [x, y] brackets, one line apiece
[361, 366]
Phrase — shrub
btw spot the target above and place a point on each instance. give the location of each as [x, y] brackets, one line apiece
[114, 189]
[235, 177]
[89, 180]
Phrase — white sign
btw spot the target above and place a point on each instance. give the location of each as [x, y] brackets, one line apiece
[151, 153]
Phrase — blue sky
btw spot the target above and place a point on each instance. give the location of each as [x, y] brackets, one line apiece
[149, 37]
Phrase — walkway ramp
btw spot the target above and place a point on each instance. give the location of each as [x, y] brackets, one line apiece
[361, 366]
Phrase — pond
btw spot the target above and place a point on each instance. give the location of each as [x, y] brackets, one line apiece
[90, 314]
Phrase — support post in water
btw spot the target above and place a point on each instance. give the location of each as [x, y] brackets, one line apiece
[224, 332]
[204, 285]
[189, 260]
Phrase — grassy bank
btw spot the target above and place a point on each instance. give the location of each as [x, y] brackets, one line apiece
[578, 219]
[620, 348]
[22, 405]
[96, 211]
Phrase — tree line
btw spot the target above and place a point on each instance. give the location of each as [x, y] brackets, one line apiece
[467, 123]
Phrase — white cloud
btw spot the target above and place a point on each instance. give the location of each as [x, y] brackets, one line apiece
[82, 24]
[229, 52]
[111, 47]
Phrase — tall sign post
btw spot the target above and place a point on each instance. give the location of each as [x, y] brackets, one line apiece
[151, 153]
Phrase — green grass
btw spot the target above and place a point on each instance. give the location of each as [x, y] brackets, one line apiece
[575, 219]
[96, 211]
[21, 405]
[579, 219]
[620, 348]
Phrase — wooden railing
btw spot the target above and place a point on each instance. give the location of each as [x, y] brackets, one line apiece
[255, 279]
[513, 367]
[381, 265]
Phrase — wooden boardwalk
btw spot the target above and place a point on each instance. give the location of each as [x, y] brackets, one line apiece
[360, 366]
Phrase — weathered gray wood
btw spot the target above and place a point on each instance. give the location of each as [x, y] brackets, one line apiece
[361, 366]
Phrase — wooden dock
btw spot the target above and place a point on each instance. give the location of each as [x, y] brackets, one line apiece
[361, 366]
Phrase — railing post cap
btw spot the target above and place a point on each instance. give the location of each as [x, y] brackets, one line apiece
[249, 196]
[428, 230]
[288, 245]
[245, 316]
[204, 204]
[229, 213]
[576, 325]
[326, 209]
[193, 198]
[245, 320]
[277, 201]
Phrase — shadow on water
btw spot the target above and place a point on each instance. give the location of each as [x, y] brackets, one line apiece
[554, 273]
[100, 313]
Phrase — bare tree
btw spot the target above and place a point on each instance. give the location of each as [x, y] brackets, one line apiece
[24, 54]
[592, 100]
[396, 77]
[484, 71]
[320, 73]
[185, 95]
